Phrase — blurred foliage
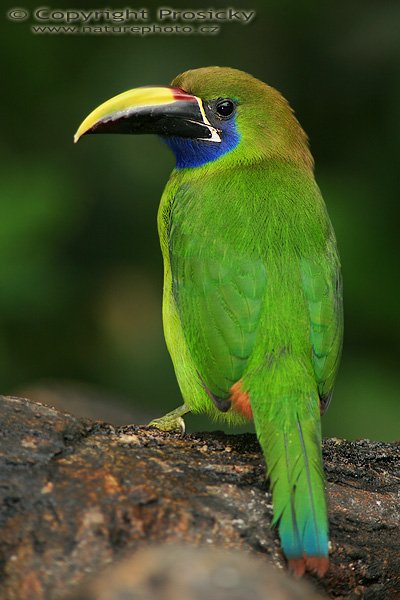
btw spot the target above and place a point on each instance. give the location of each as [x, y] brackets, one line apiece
[80, 266]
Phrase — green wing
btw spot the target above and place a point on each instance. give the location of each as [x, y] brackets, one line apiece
[322, 284]
[219, 280]
[219, 293]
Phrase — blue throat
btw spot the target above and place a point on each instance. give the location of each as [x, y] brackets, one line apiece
[196, 153]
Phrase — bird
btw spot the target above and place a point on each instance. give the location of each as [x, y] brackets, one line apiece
[252, 298]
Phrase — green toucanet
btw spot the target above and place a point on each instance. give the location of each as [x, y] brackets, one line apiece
[252, 289]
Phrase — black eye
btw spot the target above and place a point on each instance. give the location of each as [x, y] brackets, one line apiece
[225, 108]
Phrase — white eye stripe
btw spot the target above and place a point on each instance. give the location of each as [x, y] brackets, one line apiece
[215, 137]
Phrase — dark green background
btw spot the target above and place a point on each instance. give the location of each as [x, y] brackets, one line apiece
[80, 267]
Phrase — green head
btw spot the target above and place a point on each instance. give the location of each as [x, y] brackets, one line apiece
[210, 115]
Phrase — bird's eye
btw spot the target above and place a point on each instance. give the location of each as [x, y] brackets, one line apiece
[225, 108]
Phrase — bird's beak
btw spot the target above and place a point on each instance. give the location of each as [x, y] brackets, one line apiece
[166, 111]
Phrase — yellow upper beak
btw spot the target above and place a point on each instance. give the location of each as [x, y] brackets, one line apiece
[163, 110]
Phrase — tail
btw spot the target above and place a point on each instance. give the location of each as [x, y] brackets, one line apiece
[292, 452]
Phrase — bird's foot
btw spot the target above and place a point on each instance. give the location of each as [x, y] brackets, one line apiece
[168, 423]
[172, 421]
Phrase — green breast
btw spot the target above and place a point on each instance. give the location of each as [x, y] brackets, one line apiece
[233, 244]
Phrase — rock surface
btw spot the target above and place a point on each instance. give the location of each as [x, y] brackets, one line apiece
[78, 495]
[189, 573]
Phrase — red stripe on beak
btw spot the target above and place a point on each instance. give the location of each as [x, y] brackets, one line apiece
[182, 96]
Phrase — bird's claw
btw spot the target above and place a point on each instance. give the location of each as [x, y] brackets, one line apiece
[169, 423]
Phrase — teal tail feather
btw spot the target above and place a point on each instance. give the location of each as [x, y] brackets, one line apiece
[294, 462]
